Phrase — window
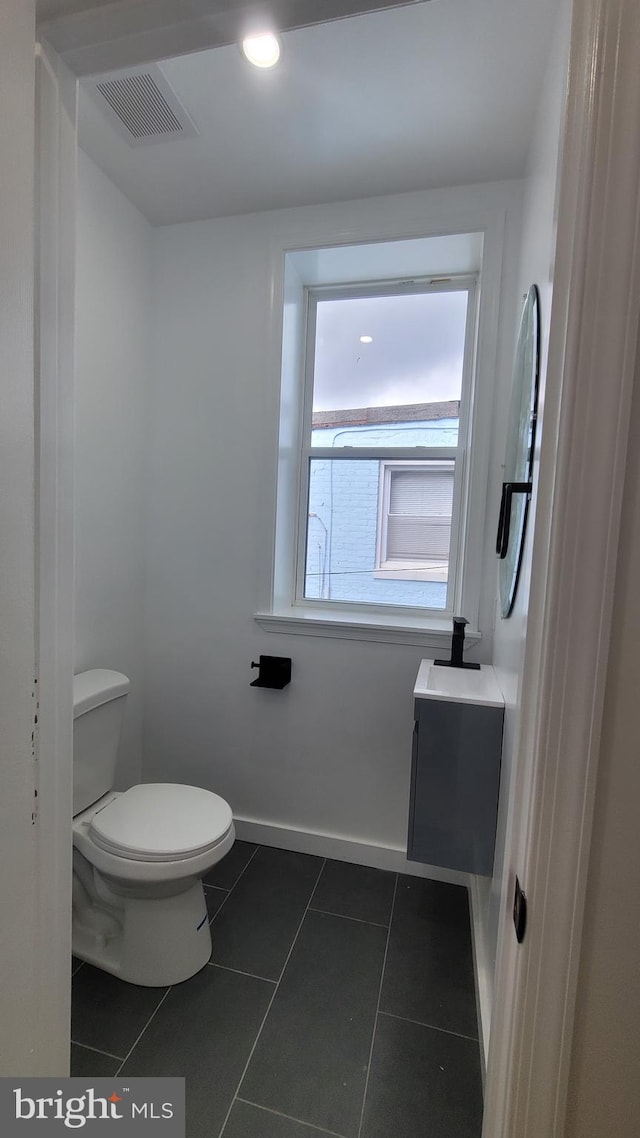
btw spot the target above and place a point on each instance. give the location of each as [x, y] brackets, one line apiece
[384, 437]
[414, 525]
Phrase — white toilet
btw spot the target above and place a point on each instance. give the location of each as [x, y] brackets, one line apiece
[138, 904]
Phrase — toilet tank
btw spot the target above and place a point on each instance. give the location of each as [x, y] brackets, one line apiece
[98, 706]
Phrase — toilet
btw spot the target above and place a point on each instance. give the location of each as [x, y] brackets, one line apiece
[139, 909]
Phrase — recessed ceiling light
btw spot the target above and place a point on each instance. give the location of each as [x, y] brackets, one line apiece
[366, 339]
[263, 50]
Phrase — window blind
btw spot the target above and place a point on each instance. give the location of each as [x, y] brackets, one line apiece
[419, 520]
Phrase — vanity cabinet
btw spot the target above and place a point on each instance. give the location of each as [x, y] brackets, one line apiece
[455, 769]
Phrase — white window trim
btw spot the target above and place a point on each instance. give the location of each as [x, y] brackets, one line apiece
[456, 598]
[423, 216]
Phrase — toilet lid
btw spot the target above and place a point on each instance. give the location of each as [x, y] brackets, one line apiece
[161, 822]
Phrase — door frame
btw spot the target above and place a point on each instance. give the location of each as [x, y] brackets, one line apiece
[593, 333]
[590, 376]
[56, 144]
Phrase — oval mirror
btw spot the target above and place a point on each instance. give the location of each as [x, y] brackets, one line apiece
[518, 463]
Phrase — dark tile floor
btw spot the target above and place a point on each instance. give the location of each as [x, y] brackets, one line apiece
[339, 1000]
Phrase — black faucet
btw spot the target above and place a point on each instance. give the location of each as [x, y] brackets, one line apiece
[457, 647]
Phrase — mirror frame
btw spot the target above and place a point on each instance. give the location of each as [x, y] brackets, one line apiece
[519, 452]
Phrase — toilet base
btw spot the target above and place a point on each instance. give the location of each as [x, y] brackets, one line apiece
[153, 942]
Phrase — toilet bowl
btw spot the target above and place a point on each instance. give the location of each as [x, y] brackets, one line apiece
[139, 908]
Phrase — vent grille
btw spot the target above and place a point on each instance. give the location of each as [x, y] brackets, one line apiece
[143, 103]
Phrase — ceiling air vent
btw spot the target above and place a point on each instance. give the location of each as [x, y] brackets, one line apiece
[143, 107]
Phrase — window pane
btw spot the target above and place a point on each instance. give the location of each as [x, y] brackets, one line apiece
[388, 370]
[369, 541]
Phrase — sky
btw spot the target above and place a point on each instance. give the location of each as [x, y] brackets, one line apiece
[415, 356]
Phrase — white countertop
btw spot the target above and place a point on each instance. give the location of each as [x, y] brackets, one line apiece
[458, 685]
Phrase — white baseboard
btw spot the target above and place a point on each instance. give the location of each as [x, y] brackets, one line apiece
[342, 849]
[483, 964]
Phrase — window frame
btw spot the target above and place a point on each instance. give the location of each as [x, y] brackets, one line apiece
[460, 454]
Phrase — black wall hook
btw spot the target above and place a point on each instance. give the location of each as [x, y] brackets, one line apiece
[504, 520]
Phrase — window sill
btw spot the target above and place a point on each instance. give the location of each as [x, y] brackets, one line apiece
[390, 571]
[424, 632]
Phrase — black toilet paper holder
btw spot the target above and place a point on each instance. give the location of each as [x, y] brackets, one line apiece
[273, 672]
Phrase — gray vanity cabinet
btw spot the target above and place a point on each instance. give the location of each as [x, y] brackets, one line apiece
[455, 773]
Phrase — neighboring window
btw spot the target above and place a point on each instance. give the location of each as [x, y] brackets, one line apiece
[383, 443]
[414, 524]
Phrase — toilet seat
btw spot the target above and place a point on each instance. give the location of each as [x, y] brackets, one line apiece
[161, 822]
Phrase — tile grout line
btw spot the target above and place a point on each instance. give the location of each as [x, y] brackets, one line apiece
[230, 891]
[289, 1117]
[275, 992]
[153, 1014]
[430, 1026]
[306, 910]
[227, 893]
[239, 972]
[216, 888]
[375, 1022]
[315, 888]
[360, 920]
[97, 1050]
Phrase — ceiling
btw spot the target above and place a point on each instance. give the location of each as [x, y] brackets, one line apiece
[56, 9]
[431, 94]
[297, 12]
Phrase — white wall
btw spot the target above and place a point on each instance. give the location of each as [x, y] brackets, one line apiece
[331, 753]
[112, 395]
[536, 267]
